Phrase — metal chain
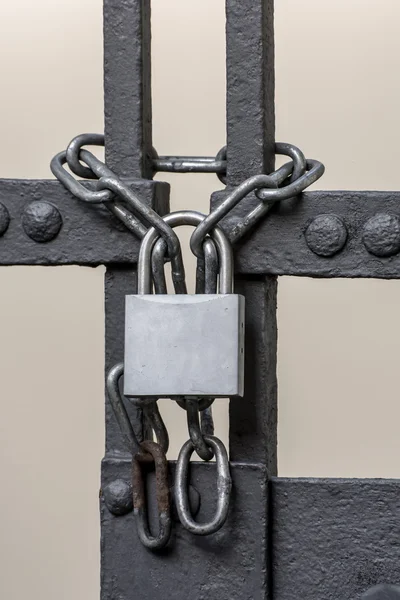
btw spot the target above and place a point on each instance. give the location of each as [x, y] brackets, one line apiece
[201, 432]
[162, 497]
[107, 186]
[190, 164]
[144, 452]
[158, 239]
[224, 486]
[195, 431]
[206, 283]
[287, 182]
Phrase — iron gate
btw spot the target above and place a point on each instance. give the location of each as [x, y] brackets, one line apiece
[316, 539]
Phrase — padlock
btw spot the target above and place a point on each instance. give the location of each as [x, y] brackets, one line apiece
[184, 345]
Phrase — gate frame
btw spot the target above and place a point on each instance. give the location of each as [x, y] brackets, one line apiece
[285, 538]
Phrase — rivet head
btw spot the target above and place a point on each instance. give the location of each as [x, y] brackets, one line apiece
[118, 497]
[383, 592]
[326, 235]
[4, 219]
[381, 235]
[41, 221]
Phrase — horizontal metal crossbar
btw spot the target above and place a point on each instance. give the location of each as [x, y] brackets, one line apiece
[319, 234]
[324, 234]
[43, 224]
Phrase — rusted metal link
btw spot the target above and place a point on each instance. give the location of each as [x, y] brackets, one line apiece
[160, 540]
[152, 414]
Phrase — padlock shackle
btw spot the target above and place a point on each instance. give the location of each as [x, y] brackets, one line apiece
[177, 219]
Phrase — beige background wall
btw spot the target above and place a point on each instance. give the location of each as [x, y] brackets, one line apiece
[338, 92]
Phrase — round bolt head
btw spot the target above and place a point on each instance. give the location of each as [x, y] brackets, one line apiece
[41, 221]
[383, 592]
[381, 235]
[326, 235]
[4, 219]
[118, 497]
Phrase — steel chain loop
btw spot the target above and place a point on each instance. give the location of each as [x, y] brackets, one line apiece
[190, 164]
[269, 192]
[224, 486]
[148, 406]
[114, 395]
[195, 433]
[107, 186]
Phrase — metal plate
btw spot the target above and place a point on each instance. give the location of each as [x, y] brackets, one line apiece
[334, 538]
[229, 565]
[180, 345]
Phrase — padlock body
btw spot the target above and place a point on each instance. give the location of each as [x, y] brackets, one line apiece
[184, 345]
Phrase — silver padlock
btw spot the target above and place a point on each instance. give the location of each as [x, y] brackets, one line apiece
[184, 345]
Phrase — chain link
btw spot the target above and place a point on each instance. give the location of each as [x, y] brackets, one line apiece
[268, 189]
[162, 496]
[144, 452]
[176, 219]
[224, 486]
[195, 433]
[190, 164]
[107, 186]
[114, 395]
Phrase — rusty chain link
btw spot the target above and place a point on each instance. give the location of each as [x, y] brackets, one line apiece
[162, 496]
[146, 451]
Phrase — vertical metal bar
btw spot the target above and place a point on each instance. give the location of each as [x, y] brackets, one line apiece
[251, 139]
[127, 86]
[119, 281]
[127, 100]
[253, 420]
[250, 88]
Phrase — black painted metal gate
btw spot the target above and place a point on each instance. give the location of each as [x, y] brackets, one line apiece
[285, 538]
